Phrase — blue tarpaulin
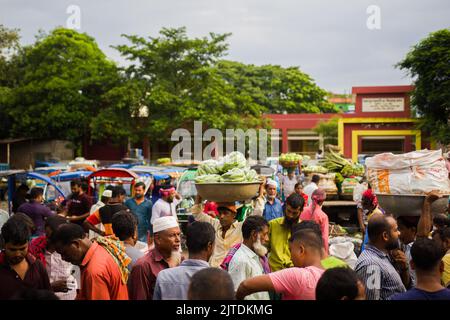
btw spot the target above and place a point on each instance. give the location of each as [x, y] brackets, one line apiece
[68, 176]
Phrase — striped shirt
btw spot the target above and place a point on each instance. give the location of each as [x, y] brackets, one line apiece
[379, 276]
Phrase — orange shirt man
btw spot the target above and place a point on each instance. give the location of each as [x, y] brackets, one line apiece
[102, 278]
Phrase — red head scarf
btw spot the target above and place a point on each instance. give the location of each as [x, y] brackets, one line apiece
[318, 196]
[369, 195]
[166, 192]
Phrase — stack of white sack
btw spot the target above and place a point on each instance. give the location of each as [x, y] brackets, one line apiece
[344, 249]
[413, 173]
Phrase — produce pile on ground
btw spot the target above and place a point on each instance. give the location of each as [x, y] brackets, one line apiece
[336, 230]
[231, 168]
[289, 159]
[336, 163]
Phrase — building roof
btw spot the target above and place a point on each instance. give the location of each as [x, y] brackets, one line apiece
[11, 140]
[382, 89]
[340, 100]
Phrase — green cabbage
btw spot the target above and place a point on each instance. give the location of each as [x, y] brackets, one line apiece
[234, 160]
[234, 175]
[232, 168]
[208, 178]
[208, 167]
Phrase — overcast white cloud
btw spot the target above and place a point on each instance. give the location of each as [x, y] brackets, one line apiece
[328, 39]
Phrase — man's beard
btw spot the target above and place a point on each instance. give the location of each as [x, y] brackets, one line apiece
[270, 197]
[392, 245]
[175, 256]
[16, 260]
[290, 223]
[259, 248]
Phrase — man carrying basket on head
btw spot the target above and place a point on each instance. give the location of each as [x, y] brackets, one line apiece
[228, 229]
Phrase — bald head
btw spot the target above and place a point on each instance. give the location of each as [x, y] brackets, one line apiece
[211, 284]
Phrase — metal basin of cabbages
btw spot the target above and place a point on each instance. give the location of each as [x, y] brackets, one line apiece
[410, 205]
[227, 191]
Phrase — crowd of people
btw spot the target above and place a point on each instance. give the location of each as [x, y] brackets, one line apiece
[120, 249]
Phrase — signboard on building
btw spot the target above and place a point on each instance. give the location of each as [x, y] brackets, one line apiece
[383, 104]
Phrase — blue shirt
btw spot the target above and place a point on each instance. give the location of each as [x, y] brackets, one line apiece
[273, 211]
[418, 294]
[134, 254]
[143, 213]
[173, 283]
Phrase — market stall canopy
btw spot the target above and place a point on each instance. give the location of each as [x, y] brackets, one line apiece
[7, 173]
[72, 175]
[14, 175]
[121, 165]
[113, 173]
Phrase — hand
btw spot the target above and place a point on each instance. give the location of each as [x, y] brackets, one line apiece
[72, 218]
[60, 286]
[400, 258]
[432, 196]
[262, 185]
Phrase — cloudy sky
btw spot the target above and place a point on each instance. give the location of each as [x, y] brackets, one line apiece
[328, 39]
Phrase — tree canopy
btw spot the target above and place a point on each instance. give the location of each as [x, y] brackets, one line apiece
[429, 64]
[9, 43]
[276, 89]
[66, 88]
[62, 79]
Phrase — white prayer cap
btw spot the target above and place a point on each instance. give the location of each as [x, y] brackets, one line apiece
[107, 194]
[271, 182]
[164, 223]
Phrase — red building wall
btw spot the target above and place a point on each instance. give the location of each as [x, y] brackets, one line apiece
[297, 121]
[350, 127]
[382, 92]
